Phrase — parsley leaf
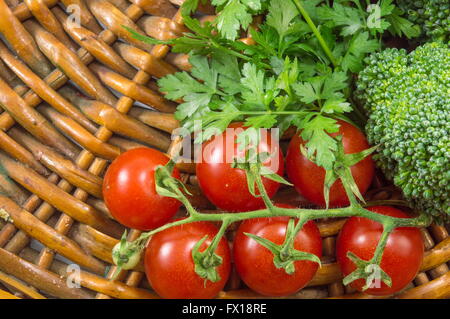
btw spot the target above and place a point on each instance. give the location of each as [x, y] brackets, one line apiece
[203, 71]
[262, 121]
[309, 91]
[320, 146]
[257, 89]
[401, 26]
[336, 105]
[214, 123]
[322, 87]
[234, 15]
[229, 73]
[359, 46]
[196, 95]
[281, 14]
[333, 85]
[347, 17]
[396, 24]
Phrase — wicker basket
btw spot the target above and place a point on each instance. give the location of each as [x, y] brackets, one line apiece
[56, 143]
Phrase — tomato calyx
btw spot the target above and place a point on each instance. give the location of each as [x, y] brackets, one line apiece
[166, 184]
[126, 255]
[341, 169]
[285, 256]
[252, 164]
[370, 270]
[206, 262]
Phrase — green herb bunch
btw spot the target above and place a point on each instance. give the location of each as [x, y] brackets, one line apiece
[298, 72]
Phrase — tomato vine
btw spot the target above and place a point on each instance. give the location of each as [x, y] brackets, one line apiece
[125, 252]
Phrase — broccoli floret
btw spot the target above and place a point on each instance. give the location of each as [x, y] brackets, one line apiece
[407, 99]
[432, 15]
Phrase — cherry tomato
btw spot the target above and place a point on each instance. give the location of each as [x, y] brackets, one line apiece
[129, 190]
[402, 256]
[226, 187]
[308, 178]
[170, 268]
[254, 263]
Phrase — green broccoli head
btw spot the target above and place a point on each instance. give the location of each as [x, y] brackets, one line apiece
[432, 15]
[407, 98]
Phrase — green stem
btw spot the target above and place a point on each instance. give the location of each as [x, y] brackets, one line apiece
[145, 236]
[350, 194]
[187, 204]
[261, 188]
[387, 230]
[299, 213]
[215, 242]
[271, 112]
[235, 53]
[389, 223]
[288, 244]
[230, 51]
[316, 32]
[306, 214]
[361, 11]
[365, 269]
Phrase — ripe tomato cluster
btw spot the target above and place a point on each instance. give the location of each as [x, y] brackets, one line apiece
[130, 194]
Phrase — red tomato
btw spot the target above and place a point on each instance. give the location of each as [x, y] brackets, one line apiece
[170, 268]
[226, 187]
[308, 178]
[254, 262]
[129, 190]
[402, 256]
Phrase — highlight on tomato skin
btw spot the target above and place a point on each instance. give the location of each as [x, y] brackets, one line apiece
[218, 180]
[402, 256]
[170, 268]
[254, 263]
[130, 193]
[308, 178]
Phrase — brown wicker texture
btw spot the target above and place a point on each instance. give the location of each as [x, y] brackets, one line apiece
[56, 143]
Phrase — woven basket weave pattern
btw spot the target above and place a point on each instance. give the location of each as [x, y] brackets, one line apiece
[68, 96]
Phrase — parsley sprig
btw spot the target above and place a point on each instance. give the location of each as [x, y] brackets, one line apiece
[350, 16]
[297, 74]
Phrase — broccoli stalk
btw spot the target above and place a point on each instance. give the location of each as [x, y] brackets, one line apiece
[407, 98]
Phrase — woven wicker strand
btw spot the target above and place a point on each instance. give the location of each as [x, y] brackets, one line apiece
[69, 97]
